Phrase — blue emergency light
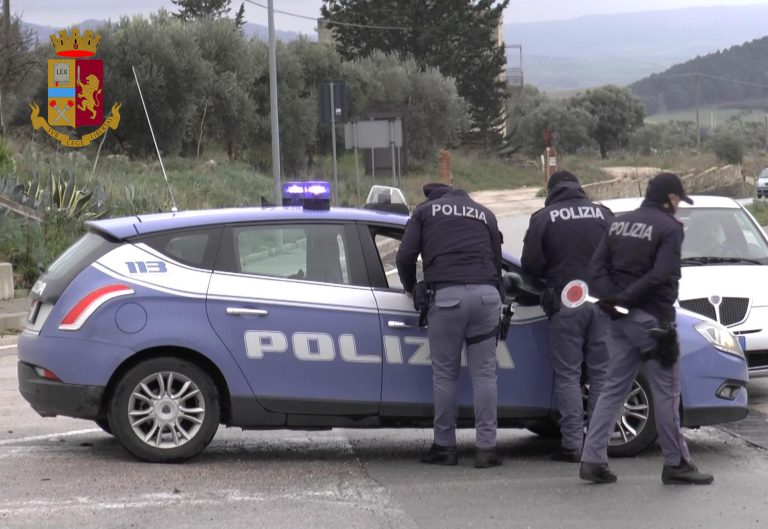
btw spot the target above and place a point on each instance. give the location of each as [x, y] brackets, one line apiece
[293, 193]
[317, 195]
[309, 195]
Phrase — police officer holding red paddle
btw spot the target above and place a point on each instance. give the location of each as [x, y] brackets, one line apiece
[637, 266]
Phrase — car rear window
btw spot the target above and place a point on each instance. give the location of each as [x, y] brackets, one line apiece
[69, 264]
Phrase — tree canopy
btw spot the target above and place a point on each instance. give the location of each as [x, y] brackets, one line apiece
[617, 114]
[458, 37]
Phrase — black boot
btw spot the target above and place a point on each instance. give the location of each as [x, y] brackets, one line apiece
[597, 473]
[487, 458]
[440, 455]
[685, 473]
[566, 455]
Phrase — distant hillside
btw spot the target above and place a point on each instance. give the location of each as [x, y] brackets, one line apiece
[737, 76]
[43, 33]
[620, 49]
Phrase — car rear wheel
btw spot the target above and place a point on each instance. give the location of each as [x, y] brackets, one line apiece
[635, 426]
[164, 410]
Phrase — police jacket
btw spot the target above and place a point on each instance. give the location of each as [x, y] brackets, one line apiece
[638, 261]
[563, 236]
[458, 239]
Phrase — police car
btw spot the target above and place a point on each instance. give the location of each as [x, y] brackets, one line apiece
[161, 327]
[725, 260]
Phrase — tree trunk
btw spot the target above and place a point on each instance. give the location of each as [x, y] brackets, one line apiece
[5, 46]
[2, 121]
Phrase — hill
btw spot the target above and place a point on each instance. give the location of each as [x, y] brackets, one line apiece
[736, 76]
[620, 49]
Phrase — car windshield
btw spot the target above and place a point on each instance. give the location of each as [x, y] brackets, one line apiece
[721, 235]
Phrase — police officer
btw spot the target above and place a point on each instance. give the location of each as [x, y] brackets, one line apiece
[558, 247]
[637, 266]
[460, 246]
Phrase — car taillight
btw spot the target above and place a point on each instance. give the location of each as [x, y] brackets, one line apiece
[80, 313]
[46, 374]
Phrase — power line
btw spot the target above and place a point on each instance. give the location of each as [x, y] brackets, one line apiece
[351, 24]
[736, 81]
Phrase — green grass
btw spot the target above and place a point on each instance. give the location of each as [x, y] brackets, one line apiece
[759, 210]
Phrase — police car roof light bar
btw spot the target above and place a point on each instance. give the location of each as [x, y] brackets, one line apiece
[174, 209]
[293, 193]
[317, 195]
[576, 293]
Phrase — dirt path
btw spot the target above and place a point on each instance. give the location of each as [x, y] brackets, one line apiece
[509, 202]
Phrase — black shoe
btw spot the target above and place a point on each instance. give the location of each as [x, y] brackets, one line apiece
[487, 458]
[597, 473]
[685, 473]
[566, 455]
[440, 455]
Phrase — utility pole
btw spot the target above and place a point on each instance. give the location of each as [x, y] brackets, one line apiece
[273, 102]
[698, 126]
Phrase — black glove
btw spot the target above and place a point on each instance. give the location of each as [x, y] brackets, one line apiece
[608, 305]
[550, 301]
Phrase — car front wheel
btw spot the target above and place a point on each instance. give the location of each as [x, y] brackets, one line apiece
[635, 428]
[164, 410]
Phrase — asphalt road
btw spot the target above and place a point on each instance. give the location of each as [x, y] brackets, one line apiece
[62, 473]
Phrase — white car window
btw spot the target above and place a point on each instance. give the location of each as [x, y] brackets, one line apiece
[721, 232]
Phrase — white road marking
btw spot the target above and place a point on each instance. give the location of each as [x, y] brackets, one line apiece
[12, 346]
[356, 496]
[6, 442]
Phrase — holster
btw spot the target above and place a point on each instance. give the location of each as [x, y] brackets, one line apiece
[667, 346]
[506, 319]
[550, 301]
[421, 297]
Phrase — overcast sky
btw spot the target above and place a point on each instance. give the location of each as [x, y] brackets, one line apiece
[67, 12]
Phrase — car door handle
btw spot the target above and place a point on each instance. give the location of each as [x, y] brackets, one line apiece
[239, 311]
[400, 325]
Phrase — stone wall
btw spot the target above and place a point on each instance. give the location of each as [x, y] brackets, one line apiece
[717, 180]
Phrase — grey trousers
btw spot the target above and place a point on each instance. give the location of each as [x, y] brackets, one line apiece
[577, 336]
[456, 313]
[629, 340]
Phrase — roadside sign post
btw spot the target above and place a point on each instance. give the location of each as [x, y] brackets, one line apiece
[377, 134]
[333, 148]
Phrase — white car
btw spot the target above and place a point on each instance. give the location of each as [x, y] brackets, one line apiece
[762, 184]
[725, 270]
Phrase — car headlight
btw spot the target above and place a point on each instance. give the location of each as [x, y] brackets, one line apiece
[720, 337]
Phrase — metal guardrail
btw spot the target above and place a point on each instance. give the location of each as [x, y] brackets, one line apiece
[20, 209]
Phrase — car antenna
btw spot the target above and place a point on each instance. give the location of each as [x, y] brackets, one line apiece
[174, 209]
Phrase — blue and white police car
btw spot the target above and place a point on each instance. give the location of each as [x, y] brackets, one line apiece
[161, 327]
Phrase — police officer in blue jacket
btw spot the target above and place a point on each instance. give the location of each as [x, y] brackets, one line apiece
[558, 247]
[637, 266]
[460, 245]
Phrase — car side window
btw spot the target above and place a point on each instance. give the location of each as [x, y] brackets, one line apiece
[192, 248]
[387, 244]
[306, 252]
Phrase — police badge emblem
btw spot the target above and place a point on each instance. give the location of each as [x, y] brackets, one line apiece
[75, 90]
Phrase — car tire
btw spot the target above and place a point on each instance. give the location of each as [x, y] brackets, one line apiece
[103, 423]
[636, 426]
[164, 410]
